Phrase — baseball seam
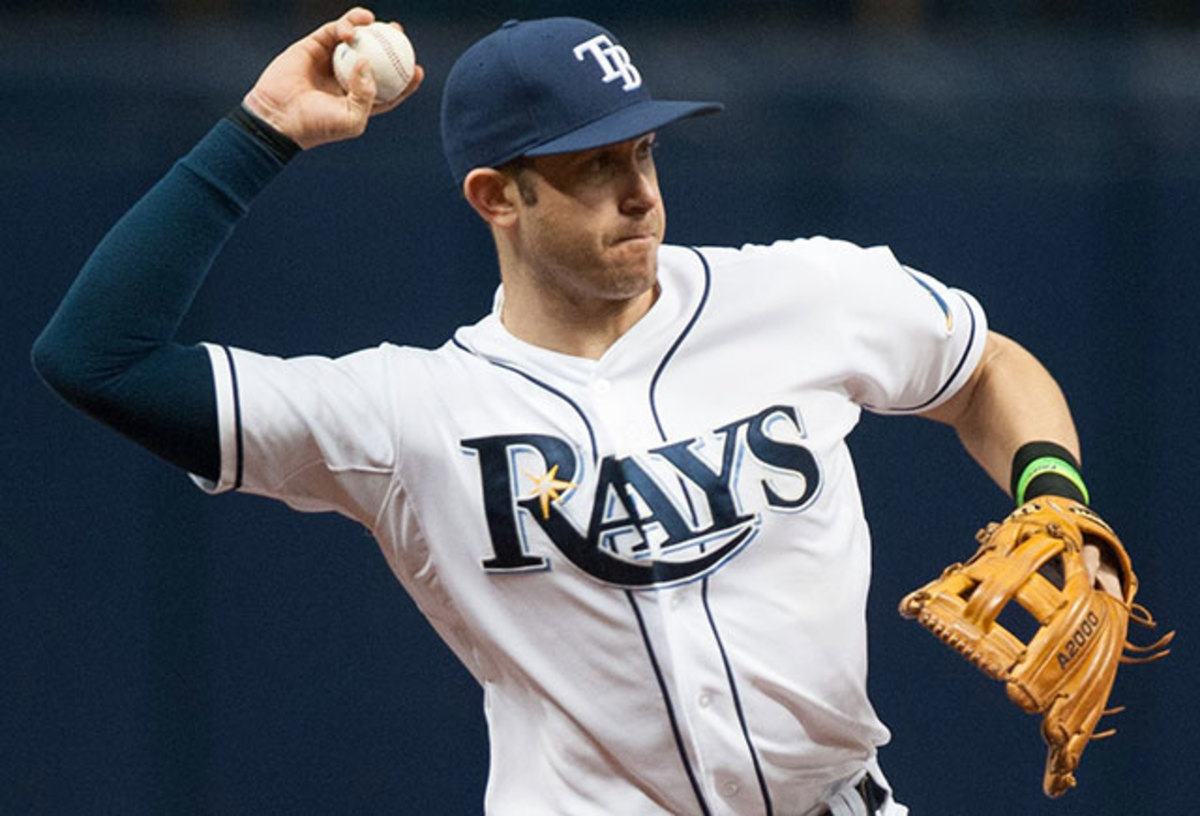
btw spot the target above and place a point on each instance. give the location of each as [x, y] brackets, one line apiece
[392, 56]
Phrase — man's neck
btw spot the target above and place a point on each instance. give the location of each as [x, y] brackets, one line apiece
[579, 328]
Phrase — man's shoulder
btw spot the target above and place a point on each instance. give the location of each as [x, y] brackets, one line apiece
[808, 257]
[816, 248]
[406, 360]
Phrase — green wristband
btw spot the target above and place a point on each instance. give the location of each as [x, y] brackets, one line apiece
[1049, 464]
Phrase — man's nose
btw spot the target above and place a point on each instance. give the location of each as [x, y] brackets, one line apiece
[640, 193]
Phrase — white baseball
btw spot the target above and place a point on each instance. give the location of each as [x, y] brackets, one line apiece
[387, 50]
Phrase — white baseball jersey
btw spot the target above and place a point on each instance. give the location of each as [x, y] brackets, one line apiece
[654, 563]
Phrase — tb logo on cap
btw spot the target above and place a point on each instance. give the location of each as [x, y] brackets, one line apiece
[614, 61]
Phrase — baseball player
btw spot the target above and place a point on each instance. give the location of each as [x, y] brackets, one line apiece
[623, 497]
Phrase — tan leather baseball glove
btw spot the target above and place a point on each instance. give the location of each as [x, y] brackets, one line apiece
[1065, 672]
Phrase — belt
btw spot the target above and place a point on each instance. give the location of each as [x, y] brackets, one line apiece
[873, 795]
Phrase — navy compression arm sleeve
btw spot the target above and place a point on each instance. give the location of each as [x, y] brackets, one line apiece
[109, 349]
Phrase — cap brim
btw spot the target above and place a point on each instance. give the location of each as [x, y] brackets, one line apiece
[624, 124]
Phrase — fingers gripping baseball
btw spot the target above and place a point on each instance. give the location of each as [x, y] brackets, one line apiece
[300, 97]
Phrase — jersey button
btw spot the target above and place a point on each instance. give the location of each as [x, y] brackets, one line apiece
[705, 700]
[730, 789]
[601, 386]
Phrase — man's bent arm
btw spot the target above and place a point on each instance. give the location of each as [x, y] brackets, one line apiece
[109, 348]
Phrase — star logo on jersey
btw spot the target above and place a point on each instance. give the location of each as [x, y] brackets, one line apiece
[654, 518]
[547, 488]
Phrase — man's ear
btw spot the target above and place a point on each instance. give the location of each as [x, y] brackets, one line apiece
[492, 194]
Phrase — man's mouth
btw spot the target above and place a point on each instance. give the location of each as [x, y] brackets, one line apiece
[640, 236]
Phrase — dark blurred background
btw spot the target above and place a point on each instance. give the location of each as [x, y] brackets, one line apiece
[162, 652]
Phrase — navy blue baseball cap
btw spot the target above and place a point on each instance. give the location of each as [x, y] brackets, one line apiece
[541, 87]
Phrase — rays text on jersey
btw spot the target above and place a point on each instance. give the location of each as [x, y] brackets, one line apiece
[663, 516]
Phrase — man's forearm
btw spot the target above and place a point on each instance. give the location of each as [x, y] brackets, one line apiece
[1010, 400]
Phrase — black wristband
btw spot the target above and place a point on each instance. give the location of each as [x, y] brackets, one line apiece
[1046, 468]
[280, 145]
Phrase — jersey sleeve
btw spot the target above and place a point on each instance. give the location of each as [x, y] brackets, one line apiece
[899, 340]
[913, 341]
[317, 433]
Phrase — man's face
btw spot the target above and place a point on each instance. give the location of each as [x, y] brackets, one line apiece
[591, 222]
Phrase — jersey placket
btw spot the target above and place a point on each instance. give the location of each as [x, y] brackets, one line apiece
[680, 630]
[706, 702]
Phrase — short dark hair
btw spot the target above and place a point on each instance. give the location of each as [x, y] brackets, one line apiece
[518, 169]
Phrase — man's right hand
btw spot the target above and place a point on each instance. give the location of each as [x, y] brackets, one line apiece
[299, 96]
